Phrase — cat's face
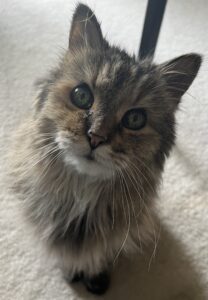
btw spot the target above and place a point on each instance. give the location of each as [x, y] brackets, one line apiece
[107, 111]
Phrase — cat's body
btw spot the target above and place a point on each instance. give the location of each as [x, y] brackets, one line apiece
[88, 161]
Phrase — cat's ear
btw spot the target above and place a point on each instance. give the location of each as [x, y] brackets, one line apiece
[180, 72]
[85, 30]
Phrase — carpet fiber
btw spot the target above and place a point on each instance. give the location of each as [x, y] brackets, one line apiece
[32, 34]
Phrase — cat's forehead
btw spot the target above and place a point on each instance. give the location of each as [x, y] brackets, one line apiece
[114, 73]
[120, 80]
[117, 77]
[116, 69]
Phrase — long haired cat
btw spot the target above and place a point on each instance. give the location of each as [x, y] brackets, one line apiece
[88, 160]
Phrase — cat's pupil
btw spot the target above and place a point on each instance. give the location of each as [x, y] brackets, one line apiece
[134, 119]
[82, 97]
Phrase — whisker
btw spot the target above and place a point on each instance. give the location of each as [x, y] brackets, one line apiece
[128, 230]
[133, 208]
[50, 152]
[122, 199]
[141, 173]
[54, 159]
[148, 214]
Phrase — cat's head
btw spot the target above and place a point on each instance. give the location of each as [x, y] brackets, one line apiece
[105, 109]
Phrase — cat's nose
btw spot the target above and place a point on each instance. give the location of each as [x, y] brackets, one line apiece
[96, 139]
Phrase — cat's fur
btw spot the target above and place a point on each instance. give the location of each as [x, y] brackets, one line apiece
[88, 210]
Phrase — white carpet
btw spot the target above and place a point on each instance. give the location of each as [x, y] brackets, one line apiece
[32, 33]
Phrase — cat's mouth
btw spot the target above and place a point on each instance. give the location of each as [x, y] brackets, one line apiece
[93, 157]
[91, 163]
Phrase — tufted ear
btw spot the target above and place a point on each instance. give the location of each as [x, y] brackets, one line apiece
[85, 30]
[180, 72]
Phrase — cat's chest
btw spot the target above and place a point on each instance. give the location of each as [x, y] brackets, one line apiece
[79, 211]
[83, 193]
[86, 194]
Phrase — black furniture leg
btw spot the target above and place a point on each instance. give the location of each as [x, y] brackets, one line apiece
[153, 19]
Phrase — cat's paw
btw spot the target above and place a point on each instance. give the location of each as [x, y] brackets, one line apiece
[97, 284]
[74, 278]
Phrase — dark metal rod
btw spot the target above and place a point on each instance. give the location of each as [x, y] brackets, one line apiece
[153, 19]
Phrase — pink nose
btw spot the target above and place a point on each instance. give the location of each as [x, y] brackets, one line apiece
[95, 139]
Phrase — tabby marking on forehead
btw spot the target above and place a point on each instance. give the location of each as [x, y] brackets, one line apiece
[103, 75]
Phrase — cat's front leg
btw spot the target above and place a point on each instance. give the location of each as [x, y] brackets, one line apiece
[73, 277]
[85, 269]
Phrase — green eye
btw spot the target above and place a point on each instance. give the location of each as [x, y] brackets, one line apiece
[81, 96]
[134, 119]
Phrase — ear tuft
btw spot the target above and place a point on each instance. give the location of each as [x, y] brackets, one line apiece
[180, 72]
[85, 30]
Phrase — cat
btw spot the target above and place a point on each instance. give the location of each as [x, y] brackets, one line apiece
[88, 160]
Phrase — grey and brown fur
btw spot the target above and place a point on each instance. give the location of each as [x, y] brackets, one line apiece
[89, 210]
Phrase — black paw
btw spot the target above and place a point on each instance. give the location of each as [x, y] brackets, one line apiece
[97, 284]
[75, 278]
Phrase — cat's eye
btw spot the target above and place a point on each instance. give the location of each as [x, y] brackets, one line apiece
[82, 97]
[134, 119]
